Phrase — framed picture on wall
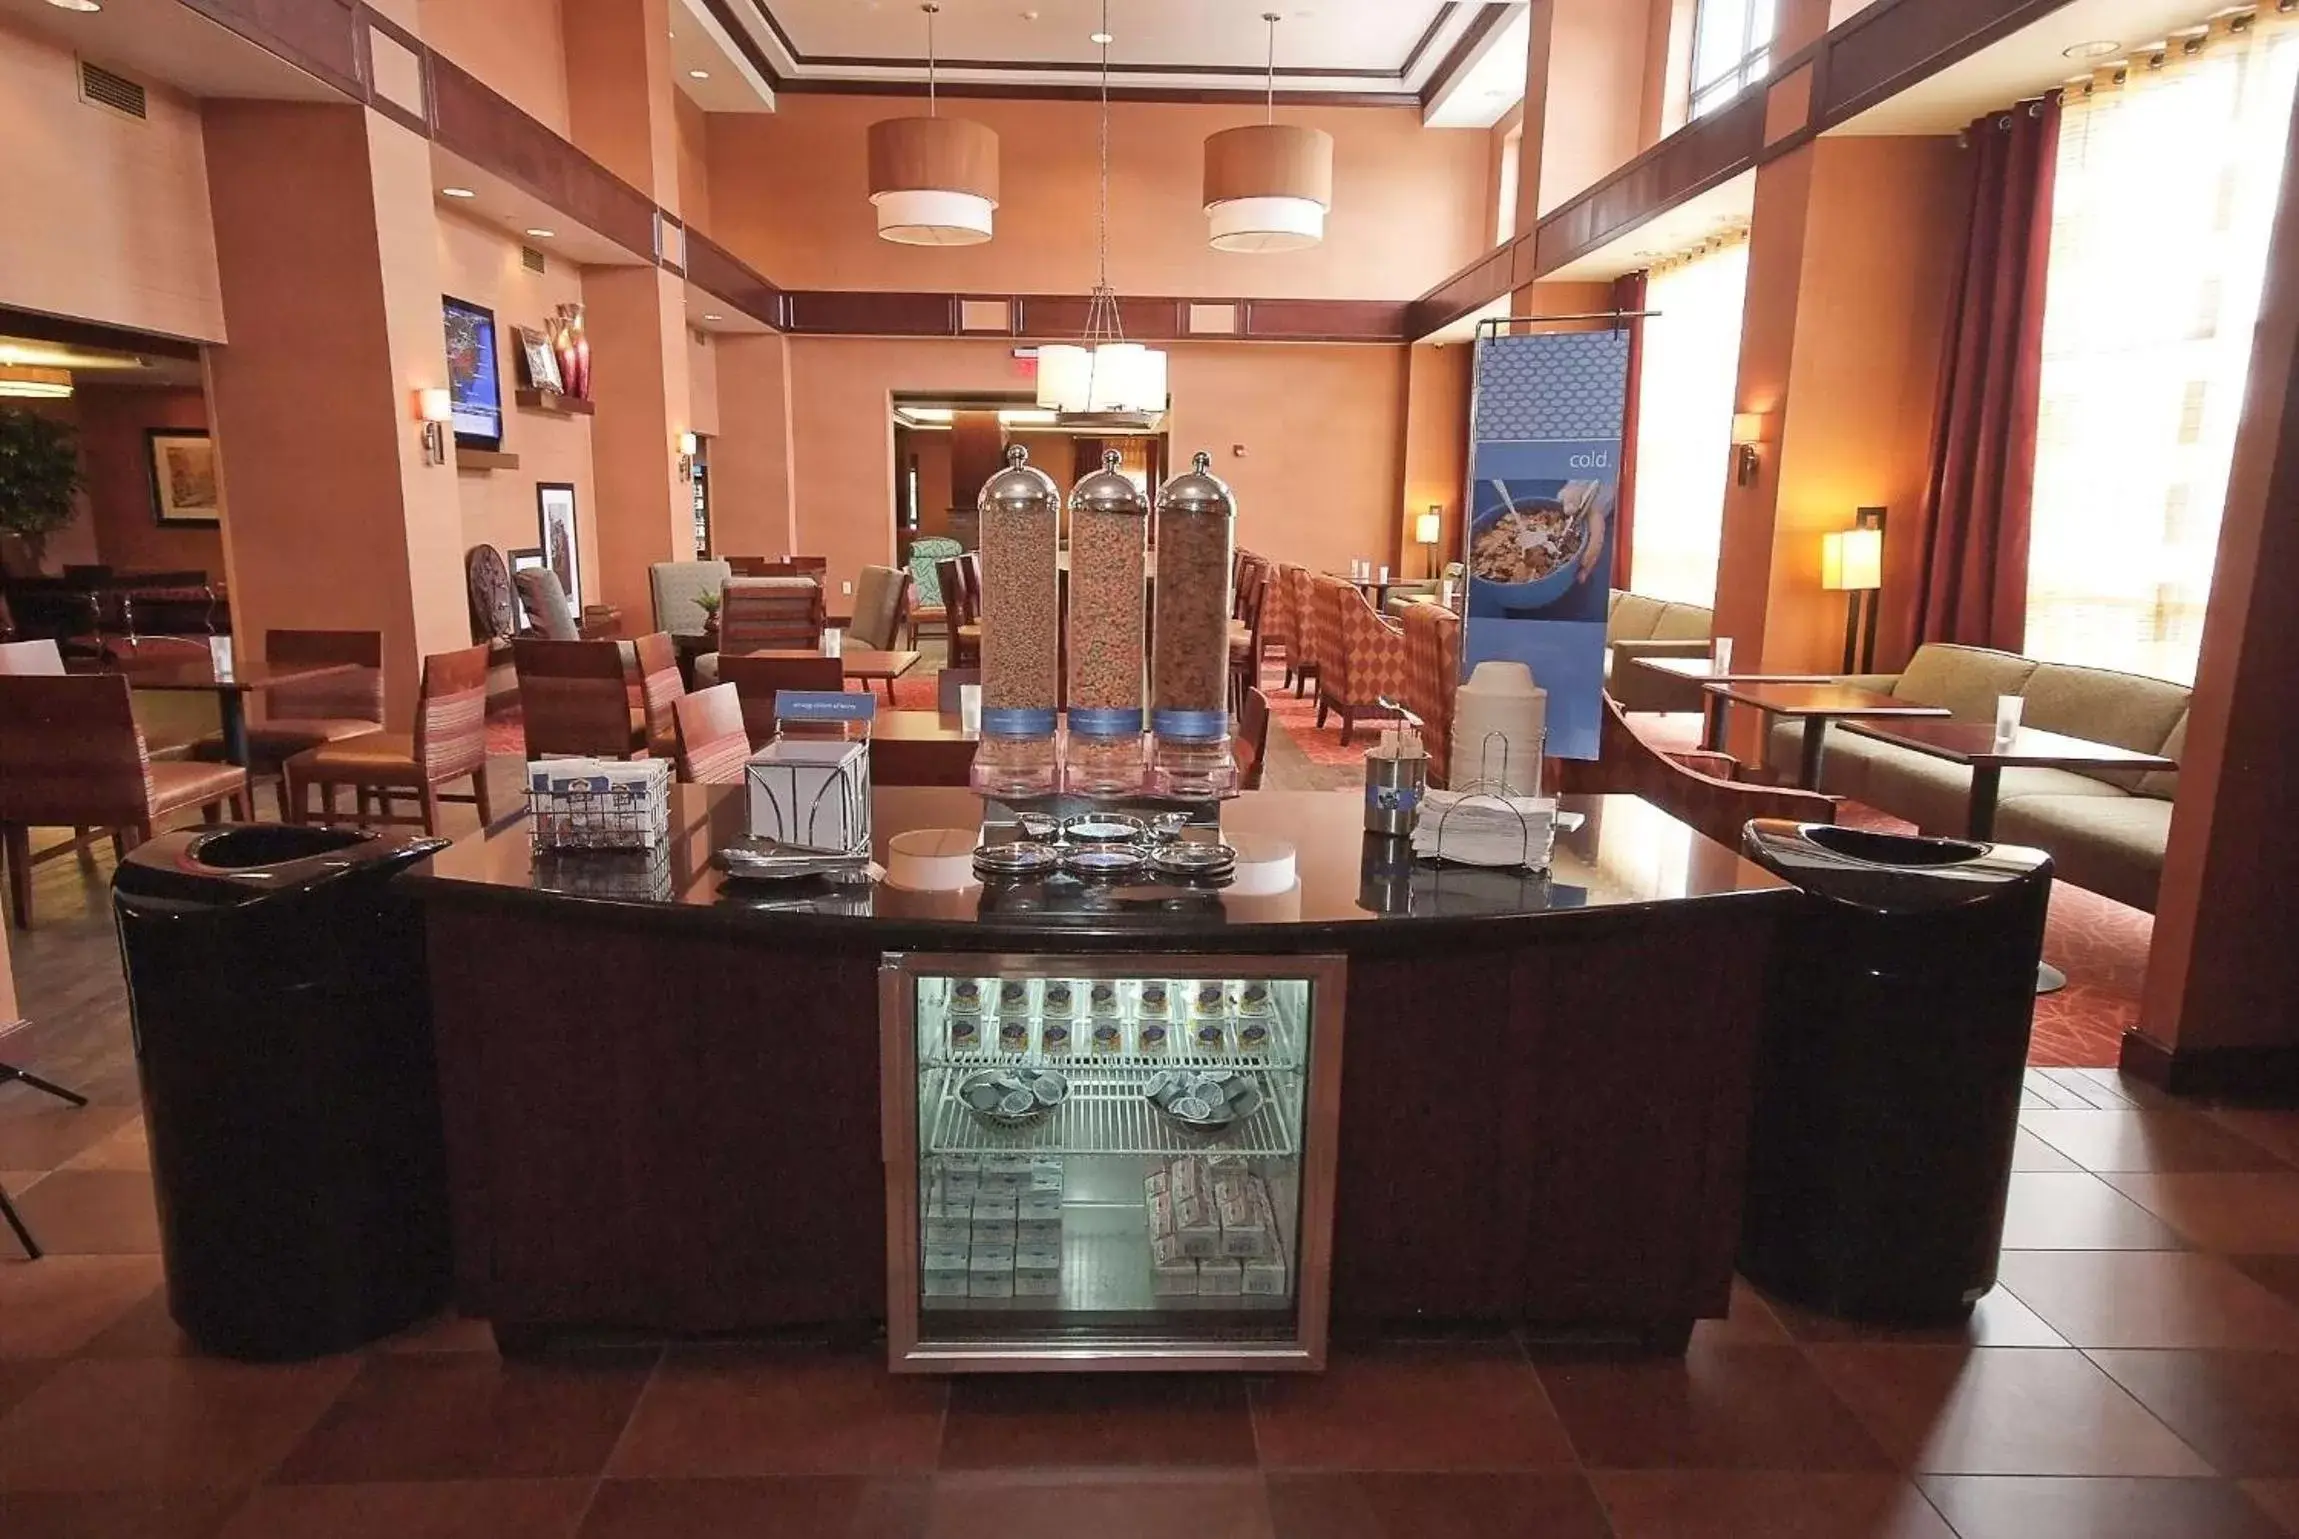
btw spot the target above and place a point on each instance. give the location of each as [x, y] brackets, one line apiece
[183, 470]
[521, 561]
[555, 512]
[539, 362]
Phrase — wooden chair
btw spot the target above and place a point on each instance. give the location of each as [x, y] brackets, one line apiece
[449, 744]
[947, 683]
[756, 679]
[965, 618]
[713, 743]
[304, 713]
[72, 756]
[656, 662]
[1693, 787]
[779, 566]
[927, 605]
[763, 614]
[1301, 657]
[1245, 639]
[1252, 738]
[575, 700]
[1360, 656]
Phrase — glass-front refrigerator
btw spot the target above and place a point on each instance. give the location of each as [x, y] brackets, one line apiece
[1109, 1162]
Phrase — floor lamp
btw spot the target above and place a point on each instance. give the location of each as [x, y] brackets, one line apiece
[1852, 563]
[1428, 530]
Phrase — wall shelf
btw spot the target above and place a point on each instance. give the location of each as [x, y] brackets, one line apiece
[483, 460]
[554, 403]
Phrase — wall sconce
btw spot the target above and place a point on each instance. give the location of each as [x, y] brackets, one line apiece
[1428, 529]
[434, 408]
[1747, 434]
[687, 449]
[1852, 563]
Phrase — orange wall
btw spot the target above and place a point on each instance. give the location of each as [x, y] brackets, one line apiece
[702, 384]
[1318, 481]
[692, 125]
[1589, 102]
[619, 84]
[789, 194]
[1436, 450]
[1853, 253]
[516, 46]
[751, 492]
[642, 513]
[101, 217]
[112, 448]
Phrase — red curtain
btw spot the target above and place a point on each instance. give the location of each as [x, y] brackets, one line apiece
[1973, 546]
[1628, 298]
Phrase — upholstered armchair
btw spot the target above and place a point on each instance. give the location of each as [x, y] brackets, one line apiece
[763, 614]
[679, 587]
[1432, 672]
[1301, 656]
[880, 596]
[1361, 657]
[547, 605]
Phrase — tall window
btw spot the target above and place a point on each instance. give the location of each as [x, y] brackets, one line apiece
[1731, 50]
[1690, 369]
[2161, 212]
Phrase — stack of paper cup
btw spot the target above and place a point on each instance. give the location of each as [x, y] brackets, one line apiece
[1499, 718]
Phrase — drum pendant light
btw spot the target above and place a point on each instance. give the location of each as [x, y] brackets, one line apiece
[934, 179]
[1268, 184]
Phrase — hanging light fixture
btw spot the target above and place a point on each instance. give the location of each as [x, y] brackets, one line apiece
[1268, 184]
[934, 179]
[25, 383]
[1104, 373]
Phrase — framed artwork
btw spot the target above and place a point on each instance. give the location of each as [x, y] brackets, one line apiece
[539, 362]
[183, 470]
[555, 513]
[522, 560]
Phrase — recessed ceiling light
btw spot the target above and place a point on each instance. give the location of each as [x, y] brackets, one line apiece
[2095, 50]
[542, 234]
[1101, 37]
[714, 317]
[698, 74]
[457, 192]
[82, 6]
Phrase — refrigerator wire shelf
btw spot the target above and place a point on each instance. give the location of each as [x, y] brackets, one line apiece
[1107, 1113]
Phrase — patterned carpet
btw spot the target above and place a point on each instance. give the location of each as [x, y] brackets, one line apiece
[2101, 945]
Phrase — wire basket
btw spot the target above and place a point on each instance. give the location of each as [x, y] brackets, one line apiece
[573, 805]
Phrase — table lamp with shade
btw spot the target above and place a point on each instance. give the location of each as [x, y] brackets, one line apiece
[1428, 530]
[1852, 563]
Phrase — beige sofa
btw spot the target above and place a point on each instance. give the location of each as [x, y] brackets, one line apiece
[1637, 626]
[2105, 831]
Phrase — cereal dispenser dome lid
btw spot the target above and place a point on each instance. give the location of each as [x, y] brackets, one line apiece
[1108, 491]
[1019, 488]
[1197, 490]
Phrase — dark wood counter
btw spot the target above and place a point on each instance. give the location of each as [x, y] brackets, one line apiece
[662, 1093]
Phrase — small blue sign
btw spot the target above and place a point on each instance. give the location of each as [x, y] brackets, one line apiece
[824, 705]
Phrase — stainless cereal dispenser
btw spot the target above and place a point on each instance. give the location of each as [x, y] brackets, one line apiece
[1020, 510]
[1109, 565]
[1189, 705]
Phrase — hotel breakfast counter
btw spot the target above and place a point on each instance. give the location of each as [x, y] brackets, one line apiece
[662, 1092]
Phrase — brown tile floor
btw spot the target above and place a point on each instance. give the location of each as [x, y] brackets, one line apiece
[2136, 1376]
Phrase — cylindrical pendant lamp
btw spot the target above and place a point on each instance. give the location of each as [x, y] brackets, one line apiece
[1267, 186]
[1065, 376]
[934, 180]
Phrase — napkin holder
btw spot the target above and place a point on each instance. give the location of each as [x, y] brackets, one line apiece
[810, 787]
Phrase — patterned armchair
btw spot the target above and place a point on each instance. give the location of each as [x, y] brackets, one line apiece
[1301, 653]
[1277, 622]
[1361, 657]
[1433, 668]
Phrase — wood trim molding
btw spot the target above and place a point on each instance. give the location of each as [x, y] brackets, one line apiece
[1488, 17]
[717, 271]
[372, 21]
[484, 127]
[2264, 1075]
[35, 327]
[1685, 164]
[322, 37]
[1895, 43]
[1060, 317]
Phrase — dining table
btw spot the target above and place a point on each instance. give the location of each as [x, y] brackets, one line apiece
[921, 748]
[1816, 705]
[866, 665]
[184, 671]
[1703, 670]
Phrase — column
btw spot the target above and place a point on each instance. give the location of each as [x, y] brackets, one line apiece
[326, 249]
[753, 497]
[2216, 1015]
[624, 115]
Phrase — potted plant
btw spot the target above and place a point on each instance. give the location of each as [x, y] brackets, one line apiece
[39, 477]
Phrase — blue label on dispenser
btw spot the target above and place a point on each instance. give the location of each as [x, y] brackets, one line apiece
[1190, 726]
[1105, 721]
[1392, 798]
[1018, 721]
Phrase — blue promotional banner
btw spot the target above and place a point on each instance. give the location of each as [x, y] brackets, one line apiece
[1544, 471]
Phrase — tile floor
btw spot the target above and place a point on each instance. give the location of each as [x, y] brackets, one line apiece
[2136, 1376]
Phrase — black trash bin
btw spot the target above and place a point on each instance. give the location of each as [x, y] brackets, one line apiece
[280, 1005]
[1888, 1070]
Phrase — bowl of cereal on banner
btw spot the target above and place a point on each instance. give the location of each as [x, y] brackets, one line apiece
[1525, 551]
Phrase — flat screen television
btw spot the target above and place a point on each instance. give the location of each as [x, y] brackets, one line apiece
[474, 383]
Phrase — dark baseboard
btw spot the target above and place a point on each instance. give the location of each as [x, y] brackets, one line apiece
[2267, 1076]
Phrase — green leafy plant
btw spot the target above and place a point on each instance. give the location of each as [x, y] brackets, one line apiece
[708, 603]
[39, 476]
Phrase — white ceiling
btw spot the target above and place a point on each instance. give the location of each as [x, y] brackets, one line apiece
[166, 40]
[709, 67]
[1491, 81]
[2029, 61]
[511, 210]
[1330, 46]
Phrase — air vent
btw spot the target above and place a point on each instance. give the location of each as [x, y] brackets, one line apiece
[531, 259]
[100, 86]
